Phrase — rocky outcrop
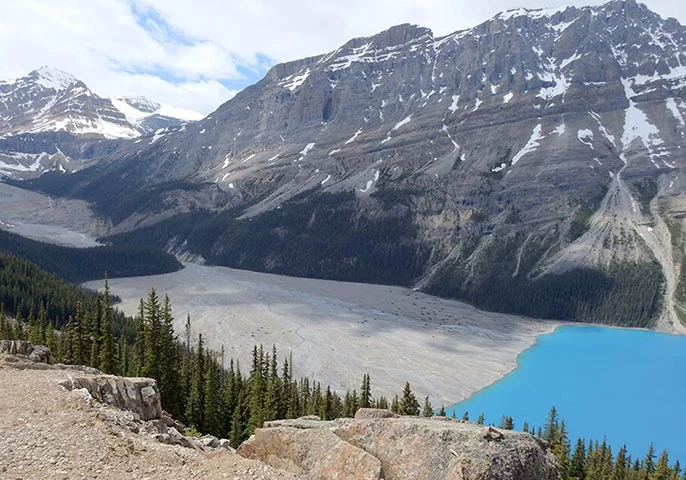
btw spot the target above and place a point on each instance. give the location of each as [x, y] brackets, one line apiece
[376, 446]
[16, 347]
[138, 395]
[37, 354]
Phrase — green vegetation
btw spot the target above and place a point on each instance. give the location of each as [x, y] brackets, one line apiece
[646, 190]
[30, 293]
[582, 216]
[323, 236]
[626, 293]
[83, 264]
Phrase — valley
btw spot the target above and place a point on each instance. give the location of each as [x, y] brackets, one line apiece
[337, 331]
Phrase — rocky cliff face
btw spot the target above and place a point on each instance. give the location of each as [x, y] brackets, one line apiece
[537, 145]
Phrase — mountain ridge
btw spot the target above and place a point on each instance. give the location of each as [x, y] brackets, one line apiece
[49, 112]
[485, 157]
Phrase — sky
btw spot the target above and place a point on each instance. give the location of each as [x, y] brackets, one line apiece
[197, 54]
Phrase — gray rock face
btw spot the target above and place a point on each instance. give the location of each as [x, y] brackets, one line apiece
[41, 354]
[139, 395]
[400, 448]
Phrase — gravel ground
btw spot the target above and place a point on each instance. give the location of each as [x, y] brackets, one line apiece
[337, 331]
[48, 432]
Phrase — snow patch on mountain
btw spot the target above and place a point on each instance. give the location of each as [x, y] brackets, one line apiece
[53, 78]
[531, 145]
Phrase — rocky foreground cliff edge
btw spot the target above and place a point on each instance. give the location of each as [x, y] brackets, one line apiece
[61, 422]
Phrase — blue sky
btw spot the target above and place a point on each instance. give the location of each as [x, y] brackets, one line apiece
[197, 55]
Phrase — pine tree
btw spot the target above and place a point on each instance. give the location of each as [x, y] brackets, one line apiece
[94, 333]
[195, 405]
[621, 465]
[5, 330]
[107, 360]
[662, 470]
[170, 371]
[408, 403]
[382, 403]
[465, 416]
[649, 463]
[577, 467]
[561, 450]
[506, 423]
[428, 409]
[212, 400]
[366, 392]
[153, 365]
[551, 427]
[441, 412]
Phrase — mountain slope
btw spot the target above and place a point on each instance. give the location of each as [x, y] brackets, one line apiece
[48, 99]
[150, 116]
[49, 112]
[538, 149]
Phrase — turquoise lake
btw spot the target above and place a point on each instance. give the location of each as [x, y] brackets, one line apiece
[628, 386]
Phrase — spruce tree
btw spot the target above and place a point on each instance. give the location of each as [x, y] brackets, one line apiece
[428, 409]
[366, 392]
[551, 426]
[212, 400]
[621, 467]
[662, 470]
[107, 360]
[441, 412]
[195, 406]
[408, 403]
[649, 463]
[577, 467]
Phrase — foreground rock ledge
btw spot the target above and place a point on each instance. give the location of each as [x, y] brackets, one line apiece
[373, 446]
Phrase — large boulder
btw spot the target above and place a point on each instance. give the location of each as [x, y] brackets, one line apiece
[314, 453]
[41, 354]
[404, 447]
[139, 395]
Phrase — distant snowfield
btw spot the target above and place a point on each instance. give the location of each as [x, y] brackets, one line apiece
[338, 331]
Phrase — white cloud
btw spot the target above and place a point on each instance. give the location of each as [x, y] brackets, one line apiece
[182, 58]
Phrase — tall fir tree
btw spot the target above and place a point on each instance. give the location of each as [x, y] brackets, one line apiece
[408, 402]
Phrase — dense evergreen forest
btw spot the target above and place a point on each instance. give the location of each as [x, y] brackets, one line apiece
[83, 264]
[624, 293]
[321, 237]
[213, 395]
[31, 294]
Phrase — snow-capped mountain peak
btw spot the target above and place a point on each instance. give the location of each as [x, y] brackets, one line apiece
[149, 116]
[53, 78]
[51, 100]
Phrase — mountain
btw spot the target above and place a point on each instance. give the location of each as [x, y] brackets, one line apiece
[50, 100]
[49, 106]
[531, 164]
[150, 116]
